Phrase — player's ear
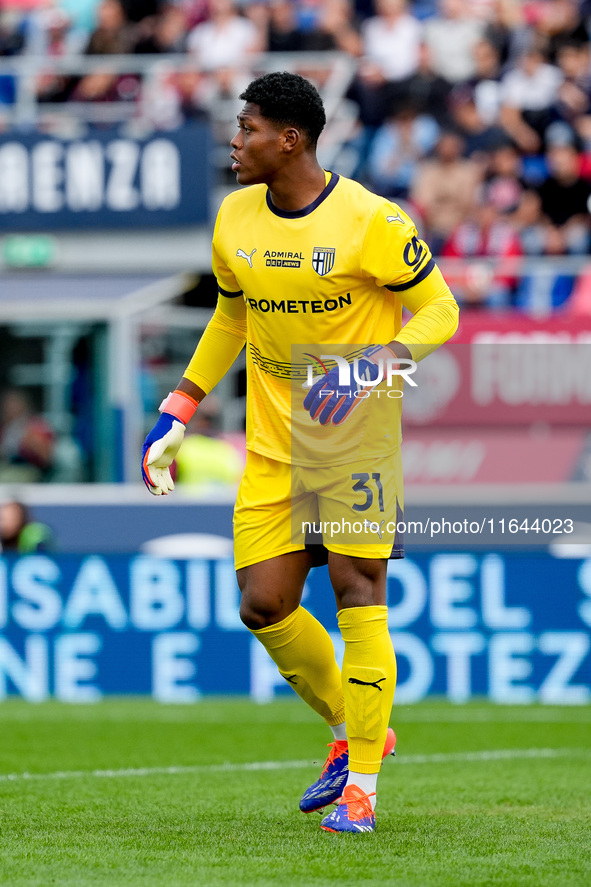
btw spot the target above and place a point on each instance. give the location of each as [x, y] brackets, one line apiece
[291, 138]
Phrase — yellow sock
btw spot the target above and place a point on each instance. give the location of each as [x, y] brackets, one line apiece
[303, 652]
[369, 679]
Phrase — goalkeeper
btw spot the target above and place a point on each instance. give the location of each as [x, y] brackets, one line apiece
[313, 272]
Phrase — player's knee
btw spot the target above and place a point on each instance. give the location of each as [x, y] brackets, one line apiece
[252, 614]
[257, 615]
[250, 617]
[358, 582]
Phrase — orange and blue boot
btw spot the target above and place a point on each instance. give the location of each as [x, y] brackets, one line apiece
[354, 813]
[329, 787]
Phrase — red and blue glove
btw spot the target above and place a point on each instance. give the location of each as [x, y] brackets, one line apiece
[329, 401]
[163, 442]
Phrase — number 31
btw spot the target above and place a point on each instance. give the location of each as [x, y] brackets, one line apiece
[361, 485]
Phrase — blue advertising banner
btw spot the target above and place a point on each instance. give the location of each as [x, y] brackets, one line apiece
[104, 180]
[514, 627]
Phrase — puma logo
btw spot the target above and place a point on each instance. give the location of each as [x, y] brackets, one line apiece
[373, 526]
[242, 255]
[396, 218]
[375, 684]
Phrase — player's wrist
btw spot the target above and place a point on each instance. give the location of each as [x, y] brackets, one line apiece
[180, 405]
[399, 350]
[380, 352]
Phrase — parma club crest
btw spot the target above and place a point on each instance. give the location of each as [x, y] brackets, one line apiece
[323, 259]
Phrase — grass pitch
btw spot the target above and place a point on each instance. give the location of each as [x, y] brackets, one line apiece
[130, 792]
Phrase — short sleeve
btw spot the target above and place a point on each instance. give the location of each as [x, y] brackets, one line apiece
[227, 282]
[393, 254]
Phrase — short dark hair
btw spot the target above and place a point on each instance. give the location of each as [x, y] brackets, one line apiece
[289, 100]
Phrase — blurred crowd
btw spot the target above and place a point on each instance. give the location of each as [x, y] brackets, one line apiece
[27, 441]
[475, 113]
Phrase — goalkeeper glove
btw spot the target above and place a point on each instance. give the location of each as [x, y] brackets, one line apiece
[162, 443]
[329, 401]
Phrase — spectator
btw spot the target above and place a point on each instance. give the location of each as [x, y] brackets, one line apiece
[484, 234]
[283, 33]
[55, 39]
[257, 13]
[12, 41]
[480, 137]
[451, 36]
[399, 144]
[308, 14]
[529, 91]
[20, 534]
[225, 40]
[445, 188]
[336, 29]
[565, 197]
[509, 31]
[426, 91]
[12, 34]
[486, 83]
[196, 11]
[50, 30]
[486, 10]
[390, 43]
[556, 21]
[138, 10]
[333, 27]
[173, 97]
[113, 35]
[574, 94]
[26, 440]
[503, 182]
[220, 48]
[166, 32]
[530, 223]
[542, 290]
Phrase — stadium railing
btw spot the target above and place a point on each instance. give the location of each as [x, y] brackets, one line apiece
[332, 72]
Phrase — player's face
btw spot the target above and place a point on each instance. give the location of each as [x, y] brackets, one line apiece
[257, 147]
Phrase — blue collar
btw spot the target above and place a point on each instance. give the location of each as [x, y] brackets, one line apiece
[300, 213]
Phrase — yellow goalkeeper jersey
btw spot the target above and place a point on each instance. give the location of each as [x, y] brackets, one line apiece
[330, 278]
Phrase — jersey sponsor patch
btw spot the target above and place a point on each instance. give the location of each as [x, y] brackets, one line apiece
[283, 259]
[323, 259]
[298, 306]
[283, 263]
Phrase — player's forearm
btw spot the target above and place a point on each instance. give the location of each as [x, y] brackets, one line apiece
[188, 387]
[429, 329]
[220, 345]
[435, 316]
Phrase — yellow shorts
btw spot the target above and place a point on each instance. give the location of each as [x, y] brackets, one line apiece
[348, 509]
